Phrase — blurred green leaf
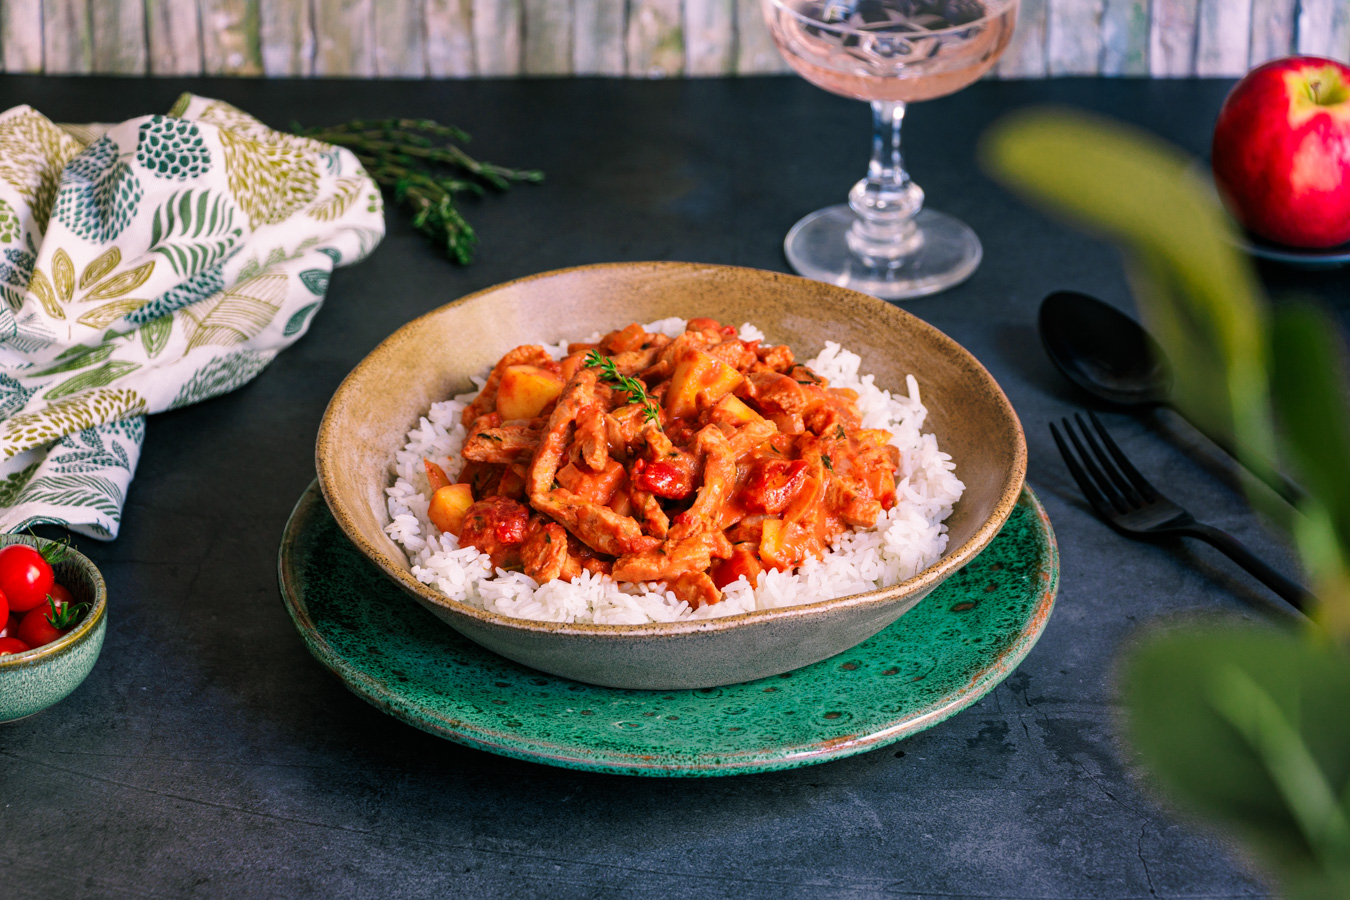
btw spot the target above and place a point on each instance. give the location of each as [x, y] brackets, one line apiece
[1250, 726]
[1307, 380]
[1196, 291]
[1311, 800]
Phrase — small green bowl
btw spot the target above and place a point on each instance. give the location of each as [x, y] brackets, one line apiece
[35, 679]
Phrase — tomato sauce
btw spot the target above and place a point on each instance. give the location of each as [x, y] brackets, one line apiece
[693, 461]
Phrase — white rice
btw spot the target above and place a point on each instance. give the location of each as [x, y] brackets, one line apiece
[905, 540]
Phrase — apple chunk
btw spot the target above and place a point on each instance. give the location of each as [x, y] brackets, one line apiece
[775, 546]
[698, 374]
[448, 506]
[524, 391]
[732, 410]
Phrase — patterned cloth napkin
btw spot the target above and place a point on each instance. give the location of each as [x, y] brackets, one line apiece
[145, 266]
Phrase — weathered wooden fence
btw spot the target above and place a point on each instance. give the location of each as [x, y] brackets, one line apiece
[639, 38]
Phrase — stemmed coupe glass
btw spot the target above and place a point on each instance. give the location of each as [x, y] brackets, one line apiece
[884, 242]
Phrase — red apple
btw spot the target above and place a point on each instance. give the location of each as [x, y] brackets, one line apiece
[1281, 151]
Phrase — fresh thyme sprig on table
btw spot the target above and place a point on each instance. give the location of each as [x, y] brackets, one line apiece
[610, 374]
[416, 161]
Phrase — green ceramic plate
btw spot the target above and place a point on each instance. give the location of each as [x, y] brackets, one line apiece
[941, 656]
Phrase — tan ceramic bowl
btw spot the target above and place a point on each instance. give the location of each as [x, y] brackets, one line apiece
[432, 357]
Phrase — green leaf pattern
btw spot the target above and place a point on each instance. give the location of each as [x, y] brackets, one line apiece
[42, 426]
[11, 487]
[16, 269]
[346, 192]
[221, 375]
[33, 151]
[78, 357]
[271, 174]
[237, 315]
[172, 148]
[99, 193]
[86, 451]
[10, 227]
[132, 429]
[33, 334]
[183, 252]
[104, 375]
[155, 335]
[316, 280]
[13, 395]
[194, 234]
[198, 287]
[299, 320]
[95, 492]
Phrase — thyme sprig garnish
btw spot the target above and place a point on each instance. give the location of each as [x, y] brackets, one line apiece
[416, 161]
[610, 374]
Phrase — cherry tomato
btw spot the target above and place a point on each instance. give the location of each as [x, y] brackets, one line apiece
[25, 577]
[744, 562]
[60, 594]
[36, 628]
[773, 484]
[10, 645]
[497, 526]
[664, 480]
[4, 610]
[10, 627]
[44, 624]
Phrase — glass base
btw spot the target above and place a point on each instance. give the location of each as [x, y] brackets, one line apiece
[947, 253]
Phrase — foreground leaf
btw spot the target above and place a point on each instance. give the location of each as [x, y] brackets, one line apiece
[1249, 725]
[1196, 290]
[1307, 380]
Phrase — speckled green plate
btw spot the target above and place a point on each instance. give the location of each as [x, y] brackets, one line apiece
[941, 656]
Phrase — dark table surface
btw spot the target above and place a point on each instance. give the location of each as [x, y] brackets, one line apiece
[209, 755]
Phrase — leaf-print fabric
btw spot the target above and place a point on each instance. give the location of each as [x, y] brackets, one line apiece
[99, 193]
[146, 266]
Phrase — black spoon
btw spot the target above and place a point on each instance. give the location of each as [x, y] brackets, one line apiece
[1113, 358]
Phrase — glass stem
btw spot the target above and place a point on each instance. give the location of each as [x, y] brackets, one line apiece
[886, 201]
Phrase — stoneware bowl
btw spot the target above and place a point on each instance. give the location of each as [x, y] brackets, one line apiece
[432, 358]
[34, 680]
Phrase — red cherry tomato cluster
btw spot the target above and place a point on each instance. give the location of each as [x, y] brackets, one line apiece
[34, 609]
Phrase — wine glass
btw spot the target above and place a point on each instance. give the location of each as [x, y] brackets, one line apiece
[884, 242]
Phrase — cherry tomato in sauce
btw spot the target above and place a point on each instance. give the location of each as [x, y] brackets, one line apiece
[743, 563]
[664, 480]
[497, 526]
[511, 530]
[25, 577]
[773, 484]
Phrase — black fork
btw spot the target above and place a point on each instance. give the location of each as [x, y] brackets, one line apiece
[1131, 505]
